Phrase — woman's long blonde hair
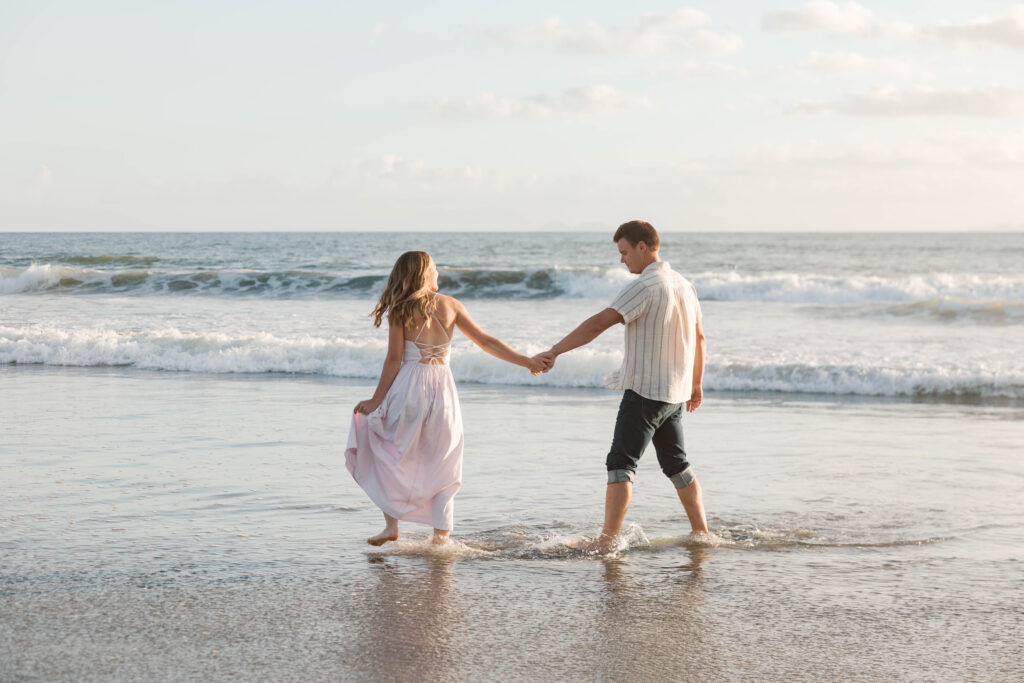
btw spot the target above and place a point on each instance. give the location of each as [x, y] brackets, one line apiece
[406, 292]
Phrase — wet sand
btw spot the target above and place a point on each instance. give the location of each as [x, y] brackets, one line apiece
[189, 527]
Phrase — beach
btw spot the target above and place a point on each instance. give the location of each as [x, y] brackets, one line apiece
[203, 204]
[169, 526]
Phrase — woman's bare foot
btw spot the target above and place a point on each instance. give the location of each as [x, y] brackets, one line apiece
[383, 537]
[390, 532]
[440, 537]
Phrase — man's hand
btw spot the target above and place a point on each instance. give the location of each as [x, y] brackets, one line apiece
[696, 396]
[548, 358]
[366, 407]
[537, 365]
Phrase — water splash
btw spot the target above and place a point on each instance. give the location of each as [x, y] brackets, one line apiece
[526, 543]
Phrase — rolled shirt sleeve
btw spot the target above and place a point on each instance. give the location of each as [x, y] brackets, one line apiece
[632, 301]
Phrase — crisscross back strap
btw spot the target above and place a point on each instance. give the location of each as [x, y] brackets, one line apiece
[432, 352]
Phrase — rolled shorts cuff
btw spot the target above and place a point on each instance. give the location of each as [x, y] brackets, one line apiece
[682, 479]
[619, 476]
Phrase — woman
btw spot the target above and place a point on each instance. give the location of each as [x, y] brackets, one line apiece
[405, 443]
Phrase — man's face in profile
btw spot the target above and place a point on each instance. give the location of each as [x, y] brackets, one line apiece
[633, 256]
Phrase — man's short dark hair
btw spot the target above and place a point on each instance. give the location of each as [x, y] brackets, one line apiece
[638, 231]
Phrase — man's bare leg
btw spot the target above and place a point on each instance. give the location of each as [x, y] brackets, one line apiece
[390, 532]
[616, 502]
[440, 536]
[693, 503]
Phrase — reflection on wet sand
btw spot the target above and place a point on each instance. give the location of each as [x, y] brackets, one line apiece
[405, 623]
[659, 628]
[429, 618]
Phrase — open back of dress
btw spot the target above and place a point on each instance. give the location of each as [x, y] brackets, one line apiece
[432, 354]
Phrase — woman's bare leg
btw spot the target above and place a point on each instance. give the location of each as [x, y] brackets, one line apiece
[390, 532]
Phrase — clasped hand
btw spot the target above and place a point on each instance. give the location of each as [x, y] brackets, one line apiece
[542, 362]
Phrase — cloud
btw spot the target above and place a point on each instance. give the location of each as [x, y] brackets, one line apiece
[693, 69]
[715, 42]
[571, 101]
[989, 102]
[683, 30]
[846, 18]
[1004, 31]
[40, 182]
[831, 63]
[989, 149]
[815, 156]
[852, 18]
[391, 168]
[823, 15]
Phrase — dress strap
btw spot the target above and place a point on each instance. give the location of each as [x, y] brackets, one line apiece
[439, 324]
[417, 339]
[437, 320]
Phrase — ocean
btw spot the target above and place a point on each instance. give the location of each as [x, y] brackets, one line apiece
[917, 315]
[174, 407]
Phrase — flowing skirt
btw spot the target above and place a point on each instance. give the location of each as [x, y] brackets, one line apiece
[407, 454]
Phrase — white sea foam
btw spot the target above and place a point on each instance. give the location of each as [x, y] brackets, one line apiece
[42, 277]
[211, 352]
[172, 349]
[810, 288]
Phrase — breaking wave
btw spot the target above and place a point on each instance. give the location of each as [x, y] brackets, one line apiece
[947, 296]
[459, 282]
[171, 349]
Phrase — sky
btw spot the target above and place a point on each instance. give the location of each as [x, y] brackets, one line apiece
[706, 116]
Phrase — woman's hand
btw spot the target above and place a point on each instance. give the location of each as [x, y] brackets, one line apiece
[366, 407]
[537, 365]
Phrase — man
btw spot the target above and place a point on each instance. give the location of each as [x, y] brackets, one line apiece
[662, 372]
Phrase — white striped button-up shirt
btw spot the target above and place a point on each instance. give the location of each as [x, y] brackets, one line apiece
[661, 312]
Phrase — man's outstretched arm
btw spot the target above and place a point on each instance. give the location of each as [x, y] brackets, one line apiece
[587, 331]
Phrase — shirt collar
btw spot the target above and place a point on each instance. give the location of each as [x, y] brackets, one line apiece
[657, 265]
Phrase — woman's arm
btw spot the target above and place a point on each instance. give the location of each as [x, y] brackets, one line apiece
[493, 345]
[392, 364]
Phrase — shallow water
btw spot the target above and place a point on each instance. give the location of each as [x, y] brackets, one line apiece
[171, 526]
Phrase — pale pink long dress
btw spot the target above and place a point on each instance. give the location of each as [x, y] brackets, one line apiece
[407, 454]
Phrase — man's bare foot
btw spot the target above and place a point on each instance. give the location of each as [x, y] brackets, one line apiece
[383, 537]
[439, 539]
[602, 544]
[702, 537]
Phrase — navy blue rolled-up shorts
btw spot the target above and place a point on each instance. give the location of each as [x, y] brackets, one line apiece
[640, 422]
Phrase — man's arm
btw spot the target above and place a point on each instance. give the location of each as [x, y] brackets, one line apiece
[587, 331]
[697, 394]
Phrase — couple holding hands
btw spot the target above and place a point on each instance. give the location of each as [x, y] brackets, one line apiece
[405, 443]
